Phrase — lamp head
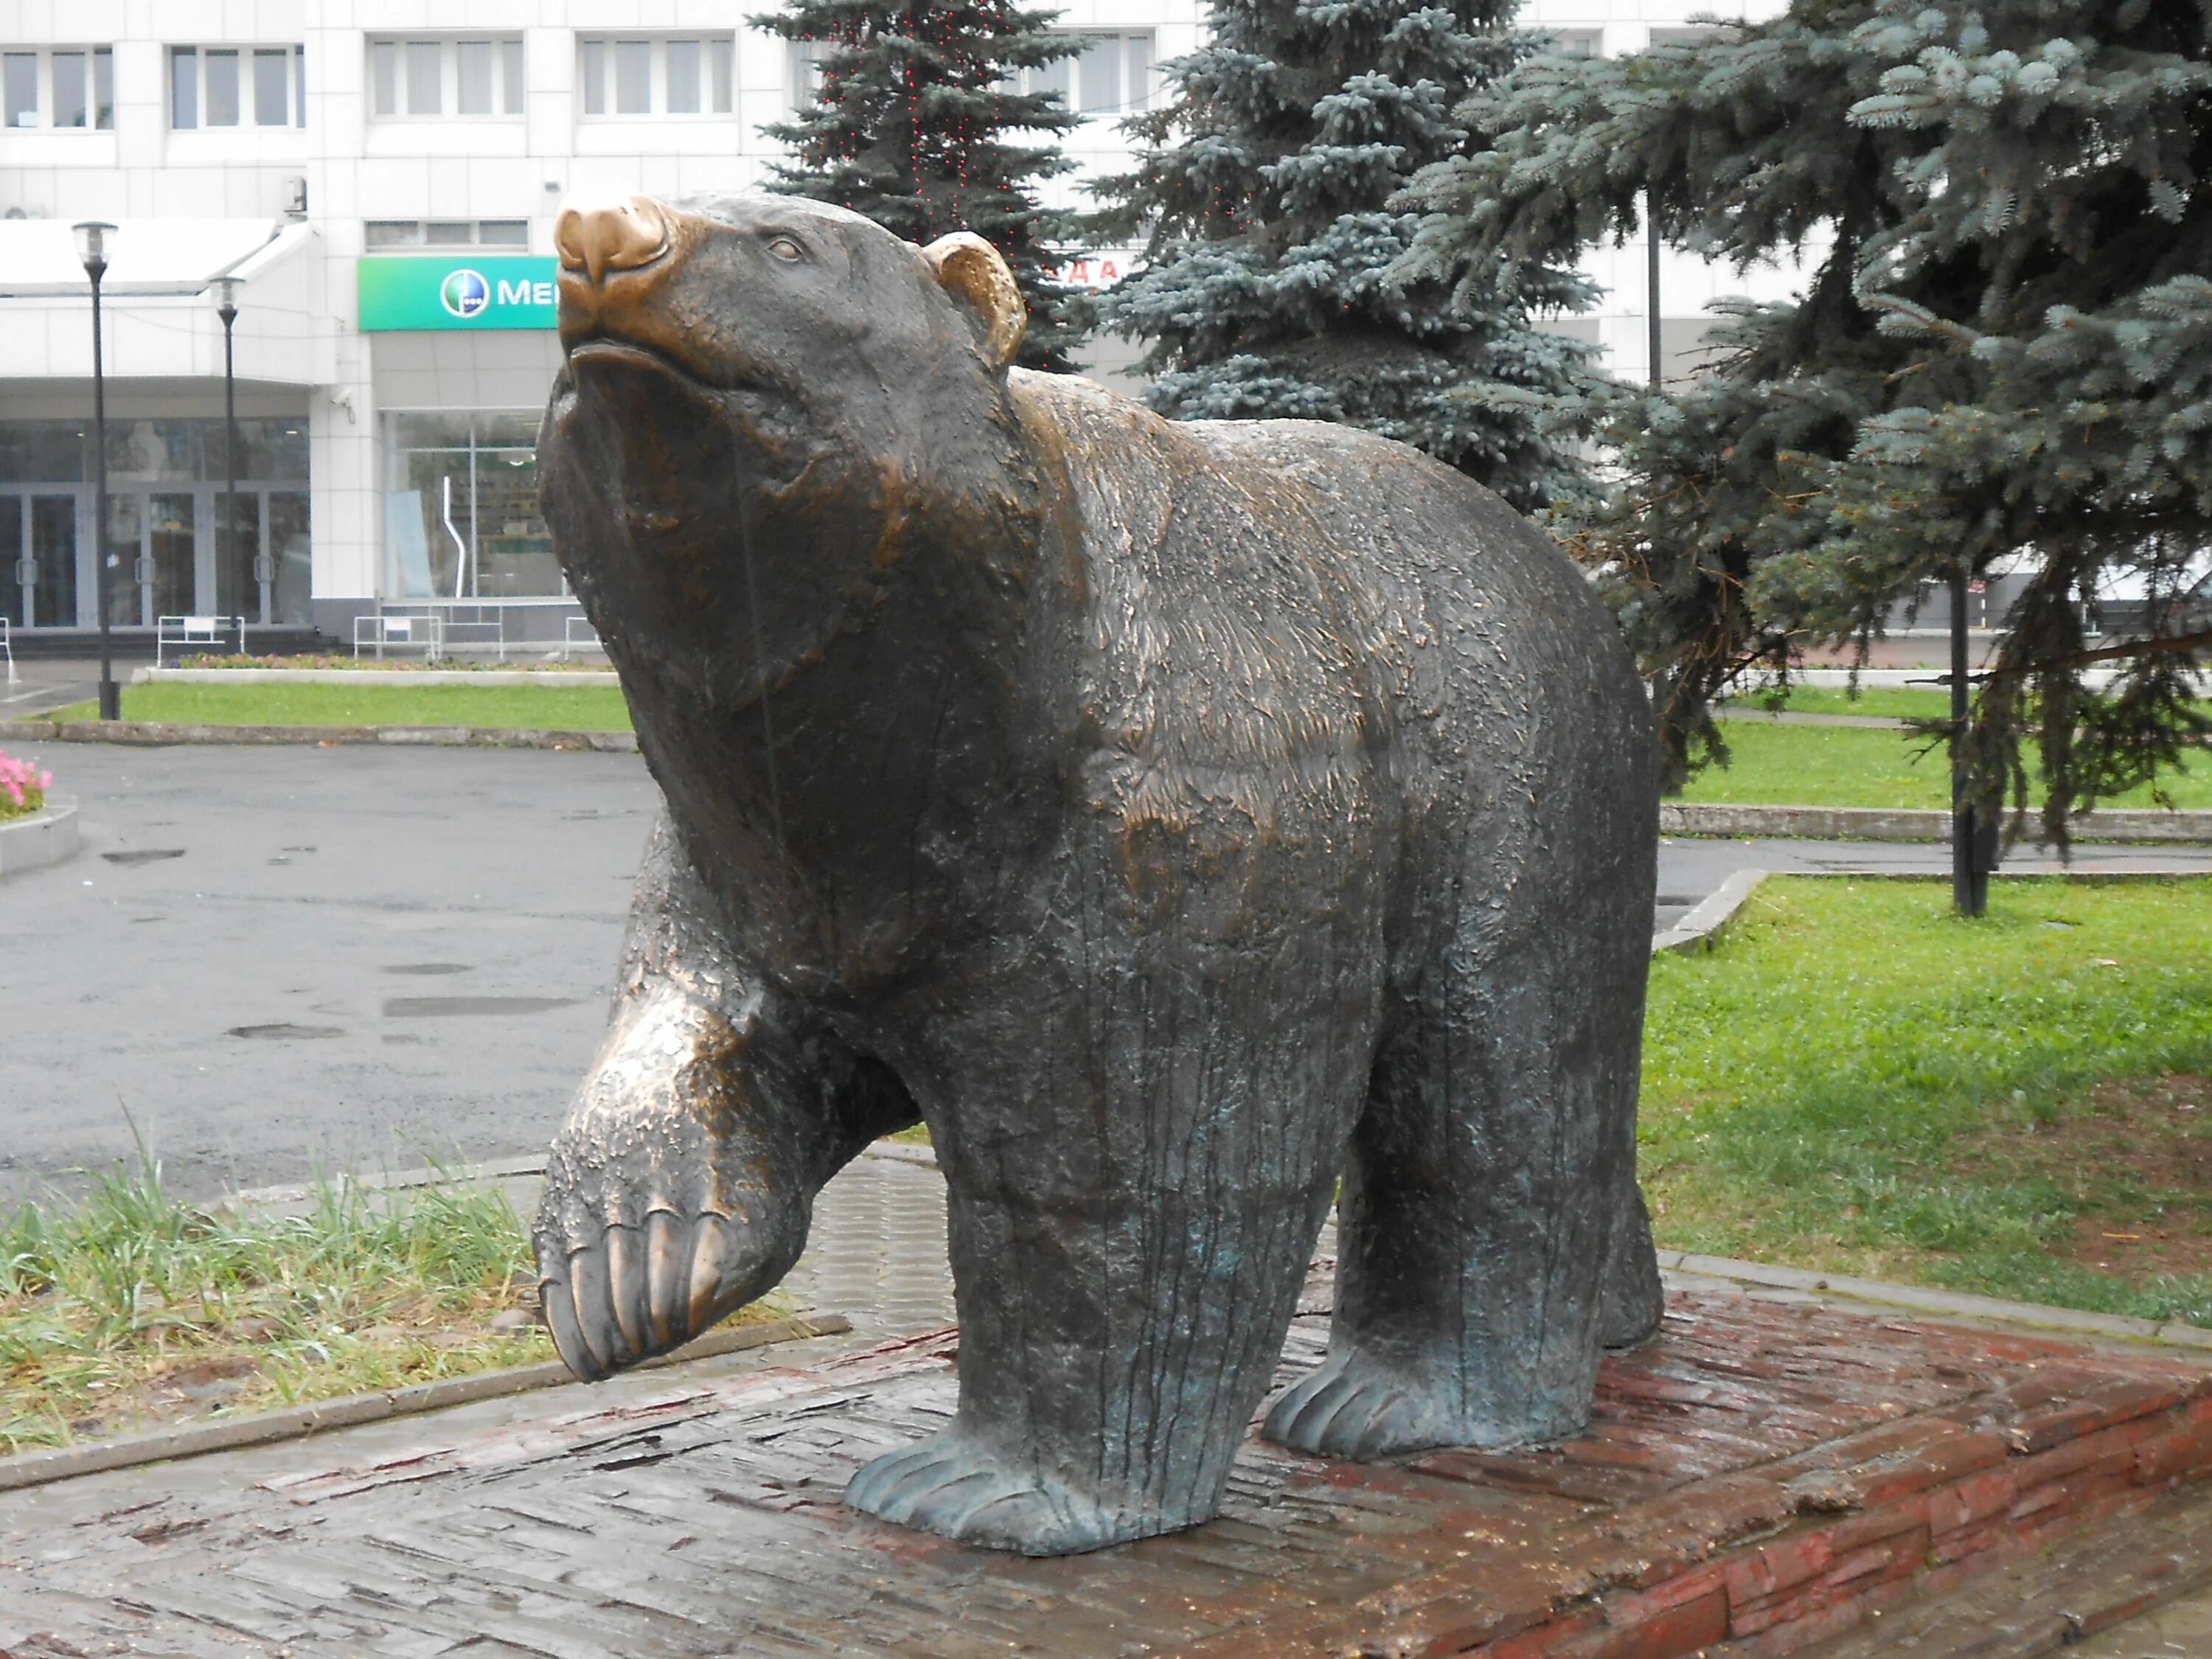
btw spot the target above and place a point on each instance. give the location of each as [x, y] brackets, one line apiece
[225, 297]
[92, 236]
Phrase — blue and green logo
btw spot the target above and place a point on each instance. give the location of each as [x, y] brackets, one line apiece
[465, 293]
[405, 291]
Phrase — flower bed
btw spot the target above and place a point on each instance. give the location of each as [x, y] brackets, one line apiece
[22, 788]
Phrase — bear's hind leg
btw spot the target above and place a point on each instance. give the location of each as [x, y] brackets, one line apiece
[1481, 1200]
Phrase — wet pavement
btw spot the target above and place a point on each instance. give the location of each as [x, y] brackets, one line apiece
[268, 961]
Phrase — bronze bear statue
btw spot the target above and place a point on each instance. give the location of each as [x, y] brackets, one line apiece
[1176, 818]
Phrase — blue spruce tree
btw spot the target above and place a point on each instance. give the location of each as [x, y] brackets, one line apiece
[1265, 193]
[919, 123]
[2001, 357]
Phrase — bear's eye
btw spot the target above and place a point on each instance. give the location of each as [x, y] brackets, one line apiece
[784, 248]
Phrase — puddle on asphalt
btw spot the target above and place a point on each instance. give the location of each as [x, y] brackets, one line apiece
[145, 855]
[455, 1007]
[285, 1033]
[426, 967]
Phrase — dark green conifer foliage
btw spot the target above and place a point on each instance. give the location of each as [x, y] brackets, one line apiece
[916, 123]
[2003, 355]
[1265, 194]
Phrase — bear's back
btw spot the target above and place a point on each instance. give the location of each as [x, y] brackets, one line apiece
[1265, 589]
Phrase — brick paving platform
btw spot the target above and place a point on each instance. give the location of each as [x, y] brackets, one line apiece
[1764, 1477]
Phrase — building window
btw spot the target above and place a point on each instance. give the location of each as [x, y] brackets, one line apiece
[461, 516]
[237, 87]
[637, 75]
[476, 78]
[807, 57]
[1112, 74]
[1577, 43]
[58, 86]
[383, 235]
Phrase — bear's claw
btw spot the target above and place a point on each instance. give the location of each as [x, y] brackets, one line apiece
[636, 1293]
[1351, 1406]
[951, 1486]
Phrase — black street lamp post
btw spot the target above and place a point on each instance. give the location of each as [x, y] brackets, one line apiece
[226, 289]
[1973, 832]
[92, 247]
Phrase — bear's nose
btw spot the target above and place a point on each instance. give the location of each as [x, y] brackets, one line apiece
[596, 240]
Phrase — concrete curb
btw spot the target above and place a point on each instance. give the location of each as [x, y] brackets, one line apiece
[375, 677]
[2126, 825]
[1697, 930]
[150, 734]
[1957, 1303]
[33, 843]
[67, 1463]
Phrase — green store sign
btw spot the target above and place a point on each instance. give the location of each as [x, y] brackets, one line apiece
[504, 291]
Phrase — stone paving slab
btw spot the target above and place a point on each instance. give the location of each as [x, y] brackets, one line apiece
[1766, 1474]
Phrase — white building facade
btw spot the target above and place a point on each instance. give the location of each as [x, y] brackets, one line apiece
[379, 180]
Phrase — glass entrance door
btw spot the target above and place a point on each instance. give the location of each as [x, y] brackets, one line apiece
[125, 554]
[52, 592]
[238, 583]
[38, 551]
[168, 577]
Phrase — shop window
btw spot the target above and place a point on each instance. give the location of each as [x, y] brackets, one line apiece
[385, 235]
[473, 78]
[461, 518]
[644, 74]
[61, 88]
[1111, 76]
[231, 85]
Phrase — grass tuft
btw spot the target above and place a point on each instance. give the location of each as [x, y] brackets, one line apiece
[132, 1309]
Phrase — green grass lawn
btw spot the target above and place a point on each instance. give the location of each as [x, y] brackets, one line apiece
[1856, 766]
[1855, 1080]
[537, 707]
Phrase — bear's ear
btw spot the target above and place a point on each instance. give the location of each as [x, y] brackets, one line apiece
[976, 273]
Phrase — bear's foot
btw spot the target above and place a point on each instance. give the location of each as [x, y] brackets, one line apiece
[951, 1484]
[1354, 1406]
[1351, 1406]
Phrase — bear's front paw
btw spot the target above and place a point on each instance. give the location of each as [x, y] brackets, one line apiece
[634, 1291]
[644, 1240]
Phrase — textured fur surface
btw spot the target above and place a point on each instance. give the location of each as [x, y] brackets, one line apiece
[1174, 817]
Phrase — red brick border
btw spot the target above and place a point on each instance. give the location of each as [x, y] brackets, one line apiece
[1766, 1561]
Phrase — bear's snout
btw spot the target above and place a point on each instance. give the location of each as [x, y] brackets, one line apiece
[595, 240]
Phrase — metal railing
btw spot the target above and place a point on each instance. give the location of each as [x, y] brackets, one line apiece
[382, 631]
[491, 626]
[187, 632]
[577, 634]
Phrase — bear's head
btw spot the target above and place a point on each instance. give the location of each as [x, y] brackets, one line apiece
[770, 409]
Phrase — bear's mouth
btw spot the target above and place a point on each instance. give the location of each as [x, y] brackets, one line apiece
[611, 351]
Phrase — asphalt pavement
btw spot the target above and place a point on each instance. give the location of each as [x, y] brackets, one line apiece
[271, 960]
